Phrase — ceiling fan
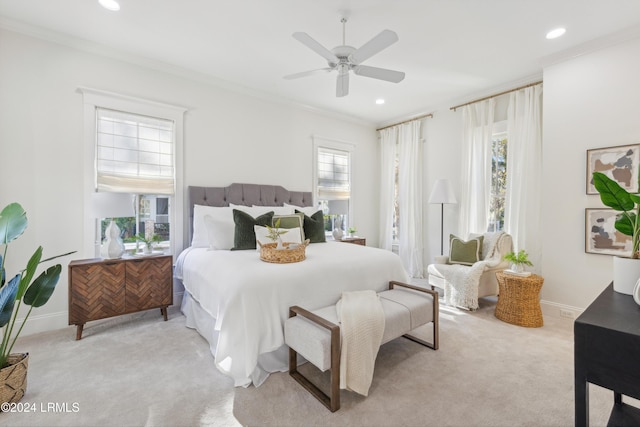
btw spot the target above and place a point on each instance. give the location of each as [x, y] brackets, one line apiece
[347, 58]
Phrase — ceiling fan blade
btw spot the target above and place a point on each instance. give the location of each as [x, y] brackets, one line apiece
[306, 40]
[342, 85]
[383, 40]
[307, 73]
[379, 73]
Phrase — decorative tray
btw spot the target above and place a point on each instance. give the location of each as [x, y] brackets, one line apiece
[293, 252]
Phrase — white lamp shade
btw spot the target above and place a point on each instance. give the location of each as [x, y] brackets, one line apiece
[111, 205]
[442, 192]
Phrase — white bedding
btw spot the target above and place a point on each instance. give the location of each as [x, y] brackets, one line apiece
[250, 299]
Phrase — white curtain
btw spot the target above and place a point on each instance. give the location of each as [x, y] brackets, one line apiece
[524, 171]
[410, 198]
[475, 192]
[388, 142]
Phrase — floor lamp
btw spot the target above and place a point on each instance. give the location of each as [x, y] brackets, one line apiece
[442, 193]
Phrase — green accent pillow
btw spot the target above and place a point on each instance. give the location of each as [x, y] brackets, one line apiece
[314, 227]
[465, 253]
[245, 235]
[295, 220]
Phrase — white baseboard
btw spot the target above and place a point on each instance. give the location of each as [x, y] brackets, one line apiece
[554, 309]
[43, 322]
[60, 320]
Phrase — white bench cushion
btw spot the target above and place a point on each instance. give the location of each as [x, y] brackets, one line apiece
[404, 310]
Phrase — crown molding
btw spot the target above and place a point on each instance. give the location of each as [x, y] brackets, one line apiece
[117, 54]
[603, 42]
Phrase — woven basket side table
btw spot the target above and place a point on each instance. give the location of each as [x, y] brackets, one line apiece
[519, 299]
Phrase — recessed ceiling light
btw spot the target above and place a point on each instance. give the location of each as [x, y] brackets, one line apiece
[380, 101]
[110, 4]
[554, 34]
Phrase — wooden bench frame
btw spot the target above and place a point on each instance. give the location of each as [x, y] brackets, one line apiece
[332, 401]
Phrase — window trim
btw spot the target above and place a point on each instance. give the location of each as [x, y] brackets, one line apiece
[334, 144]
[93, 98]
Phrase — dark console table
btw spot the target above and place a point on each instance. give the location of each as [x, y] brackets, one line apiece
[607, 353]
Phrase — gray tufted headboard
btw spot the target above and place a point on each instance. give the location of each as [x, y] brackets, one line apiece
[245, 194]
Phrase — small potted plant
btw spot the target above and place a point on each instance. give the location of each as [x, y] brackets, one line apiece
[518, 261]
[149, 242]
[20, 289]
[275, 234]
[352, 231]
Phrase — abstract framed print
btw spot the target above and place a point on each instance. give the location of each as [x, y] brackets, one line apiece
[618, 163]
[601, 236]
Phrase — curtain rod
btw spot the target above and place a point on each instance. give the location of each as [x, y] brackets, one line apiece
[424, 116]
[495, 95]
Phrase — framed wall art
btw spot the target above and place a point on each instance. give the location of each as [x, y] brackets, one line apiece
[601, 236]
[618, 163]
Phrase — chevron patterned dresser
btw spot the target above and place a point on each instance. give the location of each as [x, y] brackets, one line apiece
[101, 288]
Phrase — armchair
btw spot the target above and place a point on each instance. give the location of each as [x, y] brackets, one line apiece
[463, 284]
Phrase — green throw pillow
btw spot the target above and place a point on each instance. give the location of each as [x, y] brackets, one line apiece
[314, 227]
[245, 235]
[295, 220]
[465, 253]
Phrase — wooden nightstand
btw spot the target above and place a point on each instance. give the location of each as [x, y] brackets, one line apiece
[355, 240]
[101, 288]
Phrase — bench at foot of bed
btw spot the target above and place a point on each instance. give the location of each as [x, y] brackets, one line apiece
[316, 334]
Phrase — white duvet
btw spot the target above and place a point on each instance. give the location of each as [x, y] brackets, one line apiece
[250, 298]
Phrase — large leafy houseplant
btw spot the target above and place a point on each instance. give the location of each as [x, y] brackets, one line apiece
[628, 204]
[21, 288]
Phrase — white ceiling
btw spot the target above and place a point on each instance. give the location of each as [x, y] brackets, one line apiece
[450, 50]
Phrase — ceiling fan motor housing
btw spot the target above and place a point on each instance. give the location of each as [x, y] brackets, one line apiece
[342, 52]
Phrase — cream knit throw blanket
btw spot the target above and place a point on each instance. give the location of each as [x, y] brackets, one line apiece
[461, 281]
[362, 325]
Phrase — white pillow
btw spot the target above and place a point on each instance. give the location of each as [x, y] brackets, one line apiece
[220, 233]
[277, 210]
[292, 235]
[255, 210]
[307, 210]
[200, 237]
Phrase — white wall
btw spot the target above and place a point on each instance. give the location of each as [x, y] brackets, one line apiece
[229, 137]
[443, 140]
[590, 101]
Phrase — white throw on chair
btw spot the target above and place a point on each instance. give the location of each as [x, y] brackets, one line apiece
[464, 284]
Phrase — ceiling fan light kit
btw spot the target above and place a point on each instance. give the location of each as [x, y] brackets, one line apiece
[347, 58]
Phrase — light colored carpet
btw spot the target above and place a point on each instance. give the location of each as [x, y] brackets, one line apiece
[140, 371]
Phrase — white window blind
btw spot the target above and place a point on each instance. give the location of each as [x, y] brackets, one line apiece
[334, 182]
[134, 153]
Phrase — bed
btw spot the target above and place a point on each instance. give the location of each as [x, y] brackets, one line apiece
[239, 303]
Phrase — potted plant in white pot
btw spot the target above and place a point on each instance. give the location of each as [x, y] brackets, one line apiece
[518, 261]
[275, 234]
[20, 289]
[626, 271]
[149, 242]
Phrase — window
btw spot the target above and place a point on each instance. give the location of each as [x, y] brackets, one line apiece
[498, 181]
[332, 171]
[134, 153]
[136, 148]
